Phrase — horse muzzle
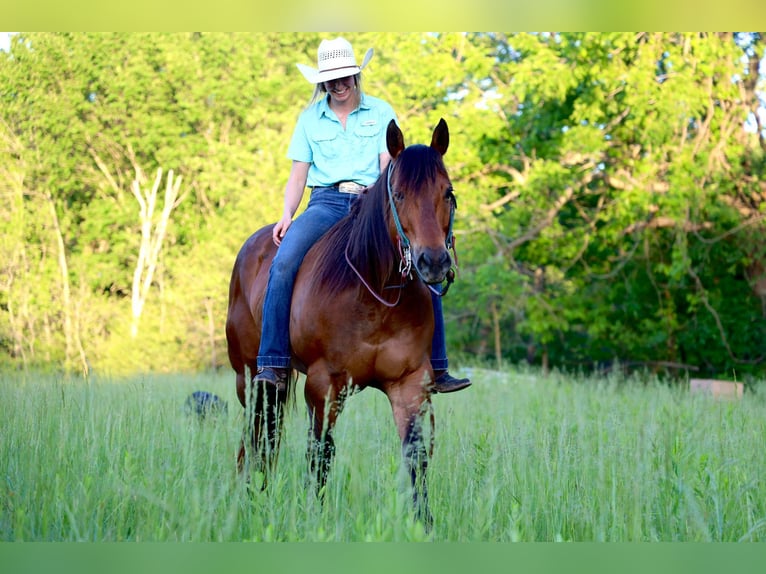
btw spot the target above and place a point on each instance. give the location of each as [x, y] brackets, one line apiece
[432, 265]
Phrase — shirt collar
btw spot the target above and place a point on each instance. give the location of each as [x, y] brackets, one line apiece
[324, 105]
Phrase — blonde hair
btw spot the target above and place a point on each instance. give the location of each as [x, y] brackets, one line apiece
[320, 91]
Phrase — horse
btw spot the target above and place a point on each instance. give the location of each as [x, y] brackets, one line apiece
[361, 314]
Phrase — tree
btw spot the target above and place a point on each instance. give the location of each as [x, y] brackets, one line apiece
[615, 156]
[610, 197]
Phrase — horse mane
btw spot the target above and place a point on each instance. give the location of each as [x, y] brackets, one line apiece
[363, 234]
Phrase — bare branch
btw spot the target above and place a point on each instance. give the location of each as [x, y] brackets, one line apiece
[623, 180]
[733, 230]
[152, 236]
[104, 170]
[703, 297]
[667, 222]
[544, 222]
[520, 177]
[507, 198]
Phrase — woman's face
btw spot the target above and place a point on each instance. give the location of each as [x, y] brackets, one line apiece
[341, 89]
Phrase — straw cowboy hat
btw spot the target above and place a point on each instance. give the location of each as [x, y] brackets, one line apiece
[335, 59]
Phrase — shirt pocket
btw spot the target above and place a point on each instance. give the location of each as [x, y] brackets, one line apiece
[327, 144]
[368, 137]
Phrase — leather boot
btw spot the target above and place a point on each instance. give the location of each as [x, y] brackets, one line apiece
[446, 383]
[275, 376]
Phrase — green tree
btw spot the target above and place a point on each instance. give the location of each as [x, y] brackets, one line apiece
[626, 168]
[610, 197]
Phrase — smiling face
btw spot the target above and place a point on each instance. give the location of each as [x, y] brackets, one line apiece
[342, 90]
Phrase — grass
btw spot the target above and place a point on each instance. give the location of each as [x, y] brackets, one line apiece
[519, 457]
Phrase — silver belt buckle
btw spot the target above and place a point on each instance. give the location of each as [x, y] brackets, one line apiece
[350, 187]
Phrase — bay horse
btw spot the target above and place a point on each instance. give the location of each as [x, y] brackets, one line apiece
[361, 313]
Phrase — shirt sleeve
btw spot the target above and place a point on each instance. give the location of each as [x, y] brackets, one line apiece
[300, 149]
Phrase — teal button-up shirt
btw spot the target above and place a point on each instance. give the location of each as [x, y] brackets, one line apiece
[336, 154]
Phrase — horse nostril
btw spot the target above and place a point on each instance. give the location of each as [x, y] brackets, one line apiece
[434, 264]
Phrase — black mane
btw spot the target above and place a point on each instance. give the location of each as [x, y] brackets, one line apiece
[363, 234]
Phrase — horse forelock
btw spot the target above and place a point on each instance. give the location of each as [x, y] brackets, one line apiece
[417, 167]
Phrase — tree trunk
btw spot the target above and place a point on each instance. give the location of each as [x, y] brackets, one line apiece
[152, 237]
[211, 332]
[71, 337]
[496, 329]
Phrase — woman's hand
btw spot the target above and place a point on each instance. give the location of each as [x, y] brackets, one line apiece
[296, 184]
[280, 228]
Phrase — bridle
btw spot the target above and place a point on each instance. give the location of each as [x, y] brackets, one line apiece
[405, 250]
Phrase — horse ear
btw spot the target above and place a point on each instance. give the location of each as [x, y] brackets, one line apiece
[440, 139]
[394, 139]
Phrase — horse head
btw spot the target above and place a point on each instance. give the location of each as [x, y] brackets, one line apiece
[422, 202]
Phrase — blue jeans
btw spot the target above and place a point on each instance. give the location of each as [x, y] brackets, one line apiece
[326, 207]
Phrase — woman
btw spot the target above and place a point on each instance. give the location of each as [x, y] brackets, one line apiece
[338, 148]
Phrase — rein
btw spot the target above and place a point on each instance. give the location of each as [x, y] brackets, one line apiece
[370, 289]
[405, 251]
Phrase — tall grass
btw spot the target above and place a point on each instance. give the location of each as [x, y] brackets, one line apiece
[519, 457]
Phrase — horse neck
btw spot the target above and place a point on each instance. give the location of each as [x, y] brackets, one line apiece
[373, 238]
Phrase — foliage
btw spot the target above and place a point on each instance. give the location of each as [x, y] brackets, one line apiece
[631, 204]
[609, 188]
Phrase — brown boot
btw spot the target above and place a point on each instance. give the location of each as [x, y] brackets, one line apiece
[446, 383]
[275, 376]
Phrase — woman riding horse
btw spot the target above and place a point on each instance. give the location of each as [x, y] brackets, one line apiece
[356, 278]
[361, 314]
[338, 148]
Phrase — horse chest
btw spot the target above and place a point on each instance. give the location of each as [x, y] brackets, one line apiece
[352, 332]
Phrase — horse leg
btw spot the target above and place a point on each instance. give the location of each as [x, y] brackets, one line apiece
[264, 409]
[325, 403]
[411, 403]
[241, 395]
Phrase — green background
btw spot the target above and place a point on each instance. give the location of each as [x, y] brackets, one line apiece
[146, 15]
[394, 15]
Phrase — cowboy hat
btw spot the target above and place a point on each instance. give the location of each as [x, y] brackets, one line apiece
[335, 59]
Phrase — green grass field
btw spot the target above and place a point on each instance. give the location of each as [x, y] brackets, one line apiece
[519, 457]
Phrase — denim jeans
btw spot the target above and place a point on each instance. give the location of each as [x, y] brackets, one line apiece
[326, 207]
